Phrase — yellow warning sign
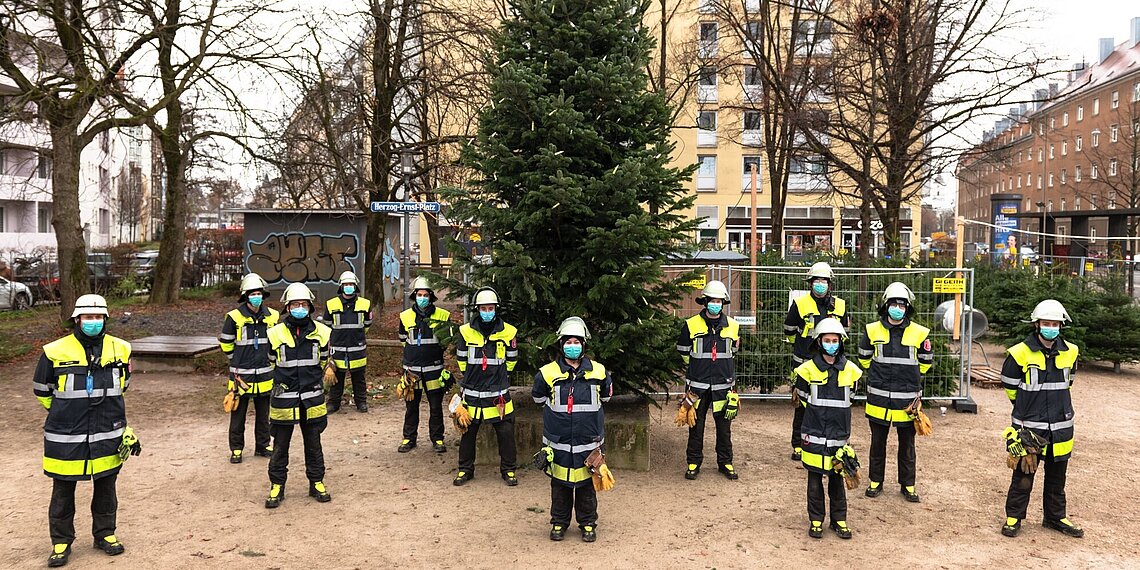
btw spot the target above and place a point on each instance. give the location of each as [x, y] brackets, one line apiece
[949, 285]
[698, 283]
[1089, 267]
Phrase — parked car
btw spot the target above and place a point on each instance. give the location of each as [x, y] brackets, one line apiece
[142, 266]
[40, 277]
[14, 295]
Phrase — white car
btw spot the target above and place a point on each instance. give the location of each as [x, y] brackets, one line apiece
[14, 295]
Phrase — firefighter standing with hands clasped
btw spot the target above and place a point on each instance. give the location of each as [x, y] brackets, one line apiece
[80, 380]
[349, 315]
[245, 341]
[896, 352]
[827, 382]
[423, 366]
[571, 390]
[707, 343]
[1038, 378]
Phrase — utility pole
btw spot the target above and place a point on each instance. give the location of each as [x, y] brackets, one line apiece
[752, 248]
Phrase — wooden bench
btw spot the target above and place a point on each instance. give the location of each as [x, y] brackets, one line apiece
[985, 377]
[169, 353]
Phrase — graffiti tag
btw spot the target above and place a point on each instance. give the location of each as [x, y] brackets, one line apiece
[297, 257]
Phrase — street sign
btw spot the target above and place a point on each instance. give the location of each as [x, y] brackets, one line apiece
[746, 321]
[949, 285]
[405, 207]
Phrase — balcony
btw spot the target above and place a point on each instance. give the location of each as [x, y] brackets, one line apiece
[706, 138]
[706, 94]
[752, 138]
[805, 182]
[24, 188]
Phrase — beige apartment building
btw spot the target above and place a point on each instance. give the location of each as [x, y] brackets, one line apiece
[1071, 165]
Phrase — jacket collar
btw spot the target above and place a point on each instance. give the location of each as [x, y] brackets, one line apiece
[1035, 345]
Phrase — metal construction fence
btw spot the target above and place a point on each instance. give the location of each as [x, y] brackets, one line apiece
[764, 364]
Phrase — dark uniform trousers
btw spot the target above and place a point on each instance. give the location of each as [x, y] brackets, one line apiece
[906, 454]
[435, 415]
[1017, 501]
[260, 422]
[359, 387]
[836, 493]
[797, 422]
[583, 499]
[61, 513]
[694, 452]
[314, 454]
[504, 432]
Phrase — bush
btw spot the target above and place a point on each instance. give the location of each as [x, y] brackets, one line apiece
[230, 288]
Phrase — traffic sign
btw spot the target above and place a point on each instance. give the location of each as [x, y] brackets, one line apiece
[405, 207]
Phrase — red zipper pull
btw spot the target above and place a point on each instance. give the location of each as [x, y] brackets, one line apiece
[570, 403]
[484, 358]
[715, 342]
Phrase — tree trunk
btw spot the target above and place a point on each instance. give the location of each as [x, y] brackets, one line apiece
[433, 239]
[1116, 367]
[866, 234]
[891, 228]
[168, 266]
[66, 219]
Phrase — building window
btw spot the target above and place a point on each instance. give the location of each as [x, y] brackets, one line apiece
[1095, 138]
[1093, 171]
[706, 128]
[1052, 123]
[3, 218]
[1115, 99]
[1077, 173]
[812, 36]
[1065, 119]
[1019, 181]
[104, 221]
[1080, 113]
[43, 165]
[811, 165]
[1051, 152]
[43, 220]
[751, 76]
[1112, 167]
[1112, 200]
[753, 33]
[1040, 155]
[1064, 175]
[1050, 179]
[1096, 106]
[1080, 143]
[1039, 180]
[1078, 202]
[3, 161]
[1114, 133]
[1062, 204]
[706, 173]
[1064, 148]
[1041, 129]
[706, 85]
[746, 173]
[1135, 92]
[708, 45]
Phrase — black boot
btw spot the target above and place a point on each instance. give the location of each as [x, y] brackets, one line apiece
[59, 555]
[110, 545]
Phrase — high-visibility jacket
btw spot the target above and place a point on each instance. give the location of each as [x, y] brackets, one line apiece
[423, 351]
[485, 361]
[82, 388]
[573, 423]
[707, 345]
[895, 357]
[804, 314]
[1039, 381]
[349, 319]
[299, 355]
[245, 341]
[827, 409]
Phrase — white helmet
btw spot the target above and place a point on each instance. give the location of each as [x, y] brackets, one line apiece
[90, 304]
[820, 269]
[829, 325]
[486, 296]
[347, 277]
[714, 290]
[1050, 310]
[252, 282]
[297, 292]
[422, 283]
[573, 326]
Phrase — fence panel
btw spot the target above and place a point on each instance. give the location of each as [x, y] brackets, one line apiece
[764, 364]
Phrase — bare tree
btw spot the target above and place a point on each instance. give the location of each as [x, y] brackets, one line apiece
[1114, 166]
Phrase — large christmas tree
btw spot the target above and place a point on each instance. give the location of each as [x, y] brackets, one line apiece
[573, 197]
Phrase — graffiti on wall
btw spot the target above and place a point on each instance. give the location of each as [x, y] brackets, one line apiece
[299, 257]
[391, 262]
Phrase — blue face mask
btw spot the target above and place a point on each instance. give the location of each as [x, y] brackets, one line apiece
[830, 348]
[714, 307]
[299, 312]
[896, 313]
[423, 302]
[572, 351]
[254, 300]
[1050, 333]
[91, 328]
[349, 290]
[487, 316]
[819, 288]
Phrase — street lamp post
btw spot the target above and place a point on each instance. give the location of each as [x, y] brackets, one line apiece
[407, 167]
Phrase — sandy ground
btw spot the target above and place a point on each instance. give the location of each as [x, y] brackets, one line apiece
[182, 505]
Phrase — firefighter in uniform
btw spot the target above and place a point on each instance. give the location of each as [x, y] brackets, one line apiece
[804, 314]
[1038, 376]
[707, 343]
[300, 352]
[244, 340]
[828, 379]
[349, 315]
[423, 364]
[896, 353]
[80, 380]
[572, 390]
[486, 351]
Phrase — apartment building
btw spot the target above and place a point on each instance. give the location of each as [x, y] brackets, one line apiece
[1070, 165]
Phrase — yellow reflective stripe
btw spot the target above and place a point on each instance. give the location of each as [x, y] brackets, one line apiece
[45, 401]
[1063, 448]
[316, 412]
[815, 460]
[491, 412]
[73, 467]
[572, 475]
[887, 414]
[1012, 393]
[283, 414]
[352, 364]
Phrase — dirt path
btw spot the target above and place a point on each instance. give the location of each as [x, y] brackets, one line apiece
[182, 505]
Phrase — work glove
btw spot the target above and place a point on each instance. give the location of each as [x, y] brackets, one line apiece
[731, 405]
[543, 458]
[687, 410]
[129, 445]
[459, 413]
[1013, 443]
[448, 380]
[846, 463]
[241, 387]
